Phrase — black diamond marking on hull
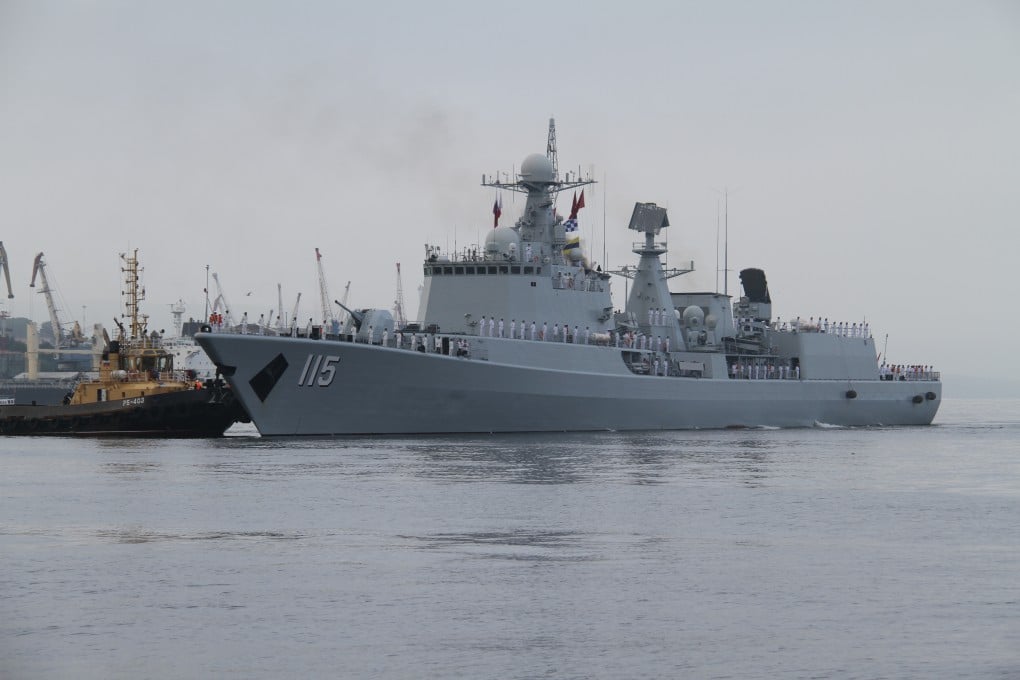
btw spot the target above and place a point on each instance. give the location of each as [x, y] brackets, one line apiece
[266, 379]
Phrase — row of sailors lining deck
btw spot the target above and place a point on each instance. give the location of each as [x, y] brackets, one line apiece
[643, 355]
[905, 372]
[498, 329]
[576, 336]
[842, 328]
[575, 278]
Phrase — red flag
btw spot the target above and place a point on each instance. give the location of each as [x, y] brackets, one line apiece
[497, 210]
[580, 202]
[573, 206]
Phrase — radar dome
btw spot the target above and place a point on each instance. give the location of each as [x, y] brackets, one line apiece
[537, 169]
[502, 243]
[694, 317]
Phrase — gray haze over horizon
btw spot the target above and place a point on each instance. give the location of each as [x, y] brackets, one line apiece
[870, 150]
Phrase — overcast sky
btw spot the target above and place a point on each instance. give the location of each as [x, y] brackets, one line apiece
[871, 149]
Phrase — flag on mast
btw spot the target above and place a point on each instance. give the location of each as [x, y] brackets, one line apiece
[576, 204]
[497, 210]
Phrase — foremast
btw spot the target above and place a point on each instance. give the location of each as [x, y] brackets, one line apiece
[540, 182]
[533, 272]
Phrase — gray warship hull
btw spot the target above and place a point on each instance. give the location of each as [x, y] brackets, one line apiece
[521, 334]
[384, 390]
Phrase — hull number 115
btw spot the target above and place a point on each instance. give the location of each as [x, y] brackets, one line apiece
[319, 370]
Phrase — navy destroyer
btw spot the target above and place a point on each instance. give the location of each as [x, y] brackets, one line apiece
[522, 335]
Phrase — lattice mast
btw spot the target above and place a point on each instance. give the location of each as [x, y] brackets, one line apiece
[572, 179]
[550, 149]
[133, 294]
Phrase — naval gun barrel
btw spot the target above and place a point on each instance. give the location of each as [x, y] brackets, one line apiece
[358, 317]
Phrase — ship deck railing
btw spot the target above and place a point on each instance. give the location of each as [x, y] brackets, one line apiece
[158, 376]
[591, 284]
[460, 345]
[914, 376]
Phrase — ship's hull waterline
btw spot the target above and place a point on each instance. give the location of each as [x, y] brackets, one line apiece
[180, 414]
[379, 390]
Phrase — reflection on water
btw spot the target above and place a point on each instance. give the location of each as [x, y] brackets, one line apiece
[641, 458]
[136, 467]
[526, 545]
[131, 535]
[638, 458]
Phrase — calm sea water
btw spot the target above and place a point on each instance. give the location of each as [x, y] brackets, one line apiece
[815, 553]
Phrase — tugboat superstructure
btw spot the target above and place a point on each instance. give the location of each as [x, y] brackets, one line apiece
[138, 391]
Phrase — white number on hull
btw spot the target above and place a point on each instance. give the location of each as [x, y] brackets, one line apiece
[318, 370]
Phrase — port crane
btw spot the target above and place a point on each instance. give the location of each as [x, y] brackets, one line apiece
[39, 270]
[220, 303]
[6, 269]
[280, 321]
[398, 304]
[293, 316]
[347, 293]
[327, 312]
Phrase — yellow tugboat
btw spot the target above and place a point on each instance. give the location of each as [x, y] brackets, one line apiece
[138, 391]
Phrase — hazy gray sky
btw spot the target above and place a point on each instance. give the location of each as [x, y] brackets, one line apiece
[871, 148]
